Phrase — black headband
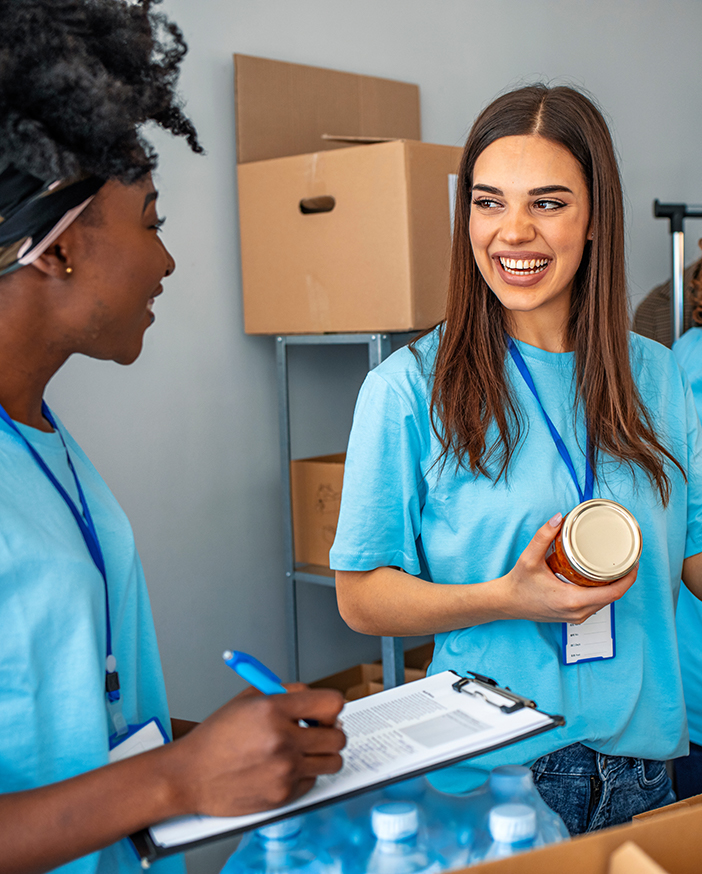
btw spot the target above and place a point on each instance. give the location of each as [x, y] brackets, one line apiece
[34, 212]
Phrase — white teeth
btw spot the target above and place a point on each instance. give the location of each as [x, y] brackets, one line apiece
[522, 266]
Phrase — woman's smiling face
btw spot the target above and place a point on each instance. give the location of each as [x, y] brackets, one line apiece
[529, 224]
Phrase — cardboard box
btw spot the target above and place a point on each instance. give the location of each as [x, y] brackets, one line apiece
[670, 836]
[361, 680]
[420, 657]
[285, 109]
[345, 238]
[377, 258]
[316, 495]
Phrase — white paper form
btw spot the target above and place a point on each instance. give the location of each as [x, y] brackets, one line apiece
[417, 726]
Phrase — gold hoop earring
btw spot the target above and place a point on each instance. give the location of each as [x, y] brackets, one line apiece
[69, 270]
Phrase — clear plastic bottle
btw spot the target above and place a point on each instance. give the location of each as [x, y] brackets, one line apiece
[512, 829]
[339, 828]
[278, 849]
[512, 784]
[448, 826]
[515, 783]
[397, 848]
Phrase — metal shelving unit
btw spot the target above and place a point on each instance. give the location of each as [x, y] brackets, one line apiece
[379, 348]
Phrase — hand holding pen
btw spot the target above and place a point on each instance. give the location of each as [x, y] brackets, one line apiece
[253, 755]
[259, 676]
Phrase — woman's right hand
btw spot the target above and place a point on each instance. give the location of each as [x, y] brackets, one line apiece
[253, 755]
[531, 591]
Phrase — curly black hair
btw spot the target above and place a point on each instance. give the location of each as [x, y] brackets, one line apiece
[78, 78]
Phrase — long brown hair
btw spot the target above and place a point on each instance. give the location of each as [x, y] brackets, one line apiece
[470, 388]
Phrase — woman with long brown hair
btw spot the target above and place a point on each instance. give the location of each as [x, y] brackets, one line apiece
[530, 398]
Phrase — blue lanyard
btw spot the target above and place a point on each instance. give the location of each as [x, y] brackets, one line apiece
[557, 439]
[87, 529]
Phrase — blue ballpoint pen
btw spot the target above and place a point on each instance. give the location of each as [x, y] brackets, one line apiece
[255, 673]
[259, 676]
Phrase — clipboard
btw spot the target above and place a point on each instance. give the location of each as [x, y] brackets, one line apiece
[391, 736]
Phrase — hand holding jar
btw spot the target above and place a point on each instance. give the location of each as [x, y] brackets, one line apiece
[534, 590]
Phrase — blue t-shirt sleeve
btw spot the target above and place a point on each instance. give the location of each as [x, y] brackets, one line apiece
[383, 492]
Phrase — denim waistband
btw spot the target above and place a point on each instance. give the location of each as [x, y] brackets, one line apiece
[578, 760]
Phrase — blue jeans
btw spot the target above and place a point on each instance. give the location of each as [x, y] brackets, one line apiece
[591, 791]
[688, 773]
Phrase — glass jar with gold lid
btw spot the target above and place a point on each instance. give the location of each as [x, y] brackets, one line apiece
[599, 542]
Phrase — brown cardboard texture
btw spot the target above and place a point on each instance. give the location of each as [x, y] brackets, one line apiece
[420, 656]
[361, 680]
[671, 838]
[630, 859]
[363, 690]
[376, 258]
[316, 494]
[284, 109]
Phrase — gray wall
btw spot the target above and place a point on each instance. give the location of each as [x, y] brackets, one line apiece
[187, 437]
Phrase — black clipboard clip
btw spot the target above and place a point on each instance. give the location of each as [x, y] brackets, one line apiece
[481, 682]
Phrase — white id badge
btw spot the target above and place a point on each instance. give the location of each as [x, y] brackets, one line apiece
[139, 739]
[591, 641]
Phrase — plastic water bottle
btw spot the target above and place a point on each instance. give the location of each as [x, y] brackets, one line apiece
[413, 789]
[515, 783]
[278, 849]
[513, 830]
[512, 784]
[339, 828]
[449, 826]
[397, 849]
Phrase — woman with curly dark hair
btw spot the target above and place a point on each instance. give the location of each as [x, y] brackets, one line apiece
[81, 263]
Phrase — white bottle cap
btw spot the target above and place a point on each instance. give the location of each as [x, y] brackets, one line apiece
[278, 831]
[394, 820]
[510, 779]
[511, 823]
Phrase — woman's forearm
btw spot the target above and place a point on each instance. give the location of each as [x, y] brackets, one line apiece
[391, 603]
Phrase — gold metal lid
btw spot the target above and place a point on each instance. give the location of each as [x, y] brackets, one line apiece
[601, 540]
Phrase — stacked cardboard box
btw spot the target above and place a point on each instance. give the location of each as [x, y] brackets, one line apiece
[343, 233]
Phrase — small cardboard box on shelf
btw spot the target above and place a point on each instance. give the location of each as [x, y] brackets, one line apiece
[362, 680]
[351, 233]
[316, 495]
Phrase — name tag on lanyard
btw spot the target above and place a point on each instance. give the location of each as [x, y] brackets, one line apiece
[593, 639]
[138, 739]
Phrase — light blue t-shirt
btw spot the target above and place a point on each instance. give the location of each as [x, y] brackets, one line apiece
[688, 351]
[53, 717]
[398, 508]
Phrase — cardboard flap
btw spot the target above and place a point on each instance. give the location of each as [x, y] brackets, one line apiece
[283, 109]
[631, 859]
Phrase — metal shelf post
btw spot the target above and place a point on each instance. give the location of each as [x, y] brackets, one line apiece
[379, 348]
